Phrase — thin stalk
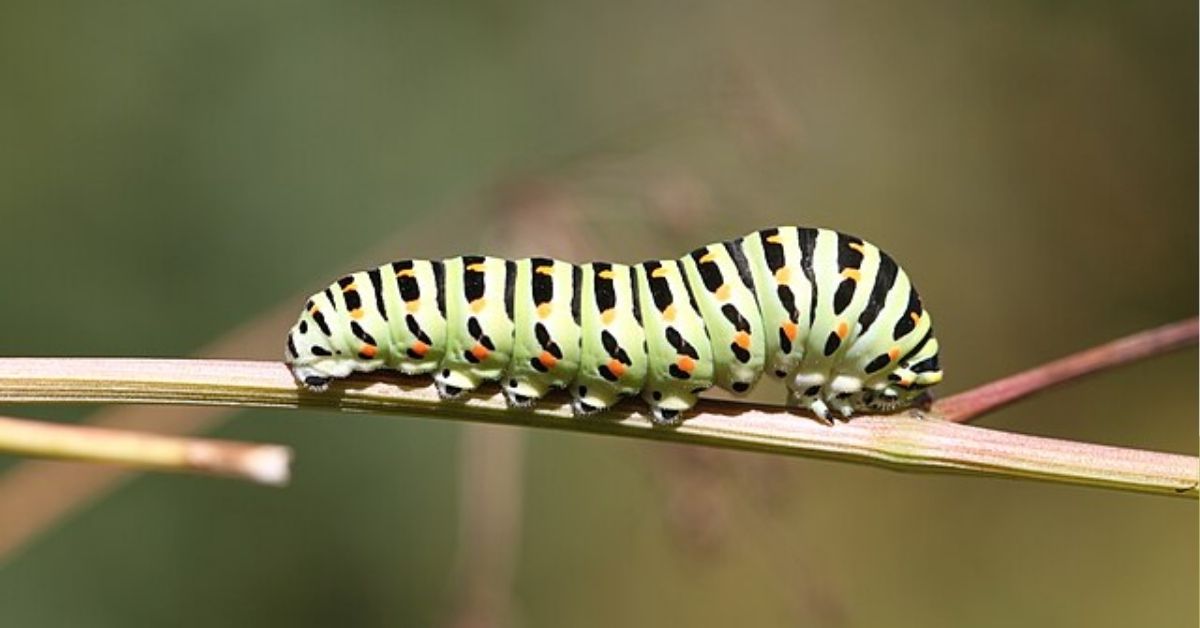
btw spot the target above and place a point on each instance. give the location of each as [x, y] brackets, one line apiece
[967, 406]
[264, 464]
[905, 441]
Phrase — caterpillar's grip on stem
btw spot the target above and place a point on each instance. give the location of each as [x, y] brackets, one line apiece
[832, 315]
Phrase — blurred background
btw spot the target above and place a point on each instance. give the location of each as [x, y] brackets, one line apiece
[176, 177]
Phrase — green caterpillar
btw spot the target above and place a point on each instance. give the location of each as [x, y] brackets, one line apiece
[832, 315]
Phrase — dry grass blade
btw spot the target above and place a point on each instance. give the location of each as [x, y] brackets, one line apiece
[264, 464]
[899, 441]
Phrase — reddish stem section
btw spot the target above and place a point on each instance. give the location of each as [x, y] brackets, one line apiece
[966, 406]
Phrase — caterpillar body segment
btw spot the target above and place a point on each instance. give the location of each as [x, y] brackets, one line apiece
[680, 357]
[781, 270]
[830, 314]
[546, 329]
[479, 322]
[613, 344]
[720, 281]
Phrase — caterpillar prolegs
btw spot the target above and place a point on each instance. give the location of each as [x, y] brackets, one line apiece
[832, 315]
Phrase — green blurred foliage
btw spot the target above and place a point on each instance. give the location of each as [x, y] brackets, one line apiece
[170, 170]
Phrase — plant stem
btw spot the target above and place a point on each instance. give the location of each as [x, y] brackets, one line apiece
[965, 407]
[264, 464]
[904, 441]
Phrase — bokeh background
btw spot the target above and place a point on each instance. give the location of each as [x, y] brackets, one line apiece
[176, 176]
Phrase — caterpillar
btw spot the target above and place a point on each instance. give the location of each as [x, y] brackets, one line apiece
[832, 315]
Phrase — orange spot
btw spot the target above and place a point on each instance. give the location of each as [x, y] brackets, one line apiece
[858, 247]
[852, 273]
[723, 292]
[916, 318]
[478, 267]
[413, 306]
[419, 348]
[313, 310]
[407, 272]
[608, 315]
[893, 353]
[356, 314]
[790, 330]
[368, 351]
[669, 313]
[543, 310]
[783, 275]
[606, 274]
[661, 271]
[742, 339]
[843, 330]
[616, 367]
[350, 288]
[545, 270]
[477, 305]
[775, 239]
[547, 359]
[480, 352]
[708, 257]
[685, 364]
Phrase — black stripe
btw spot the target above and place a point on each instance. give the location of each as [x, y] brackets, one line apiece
[319, 350]
[848, 257]
[474, 284]
[542, 286]
[918, 347]
[605, 292]
[788, 299]
[710, 272]
[906, 323]
[885, 278]
[329, 295]
[353, 300]
[576, 288]
[660, 288]
[735, 317]
[510, 285]
[637, 298]
[844, 294]
[320, 320]
[408, 285]
[681, 346]
[832, 343]
[377, 284]
[928, 364]
[291, 346]
[361, 333]
[439, 280]
[808, 243]
[735, 251]
[773, 251]
[879, 362]
[687, 285]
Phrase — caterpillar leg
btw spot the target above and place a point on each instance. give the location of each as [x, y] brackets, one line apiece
[587, 401]
[451, 383]
[841, 394]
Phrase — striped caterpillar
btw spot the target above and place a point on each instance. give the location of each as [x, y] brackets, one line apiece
[832, 315]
